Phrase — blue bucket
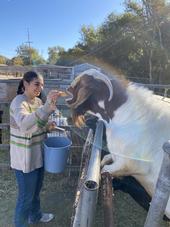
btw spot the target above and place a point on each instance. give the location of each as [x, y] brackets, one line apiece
[56, 151]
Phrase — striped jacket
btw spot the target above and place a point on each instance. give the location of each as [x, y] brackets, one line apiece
[27, 132]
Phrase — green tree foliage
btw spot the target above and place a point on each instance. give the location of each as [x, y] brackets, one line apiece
[17, 61]
[29, 55]
[59, 56]
[89, 36]
[154, 20]
[3, 59]
[54, 54]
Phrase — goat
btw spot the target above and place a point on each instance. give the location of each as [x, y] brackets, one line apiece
[137, 124]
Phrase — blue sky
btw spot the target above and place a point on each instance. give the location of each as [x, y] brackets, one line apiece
[50, 22]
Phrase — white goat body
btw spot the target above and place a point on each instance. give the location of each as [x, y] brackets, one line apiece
[135, 137]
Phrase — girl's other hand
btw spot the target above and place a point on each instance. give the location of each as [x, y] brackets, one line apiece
[50, 126]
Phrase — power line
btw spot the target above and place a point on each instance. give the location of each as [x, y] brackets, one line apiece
[29, 45]
[28, 41]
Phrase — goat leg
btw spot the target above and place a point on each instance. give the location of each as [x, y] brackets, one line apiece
[117, 168]
[106, 160]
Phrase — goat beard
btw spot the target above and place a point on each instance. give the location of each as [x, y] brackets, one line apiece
[78, 120]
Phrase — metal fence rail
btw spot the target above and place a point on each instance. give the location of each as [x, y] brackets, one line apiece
[86, 206]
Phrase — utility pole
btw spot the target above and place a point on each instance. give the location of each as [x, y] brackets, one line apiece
[29, 46]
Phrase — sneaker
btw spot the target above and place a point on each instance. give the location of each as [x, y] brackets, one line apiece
[46, 217]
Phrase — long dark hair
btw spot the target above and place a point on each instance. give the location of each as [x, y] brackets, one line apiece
[28, 76]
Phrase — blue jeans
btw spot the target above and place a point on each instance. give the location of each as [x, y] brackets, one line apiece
[28, 201]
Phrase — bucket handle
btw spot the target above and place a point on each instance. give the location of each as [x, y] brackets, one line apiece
[61, 130]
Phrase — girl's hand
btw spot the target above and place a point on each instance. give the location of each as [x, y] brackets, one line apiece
[53, 96]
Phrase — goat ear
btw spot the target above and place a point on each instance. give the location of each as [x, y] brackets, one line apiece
[82, 95]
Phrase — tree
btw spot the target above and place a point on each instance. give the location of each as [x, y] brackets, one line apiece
[54, 54]
[17, 61]
[155, 23]
[29, 55]
[89, 35]
[3, 59]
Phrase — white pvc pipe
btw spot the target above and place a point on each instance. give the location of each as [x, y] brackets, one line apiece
[162, 192]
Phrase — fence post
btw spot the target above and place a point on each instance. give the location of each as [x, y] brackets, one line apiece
[107, 194]
[1, 112]
[162, 191]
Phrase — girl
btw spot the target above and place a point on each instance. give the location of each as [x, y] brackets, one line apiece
[28, 127]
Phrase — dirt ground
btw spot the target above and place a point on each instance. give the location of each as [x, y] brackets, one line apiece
[58, 197]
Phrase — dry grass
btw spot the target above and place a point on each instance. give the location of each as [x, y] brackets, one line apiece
[58, 197]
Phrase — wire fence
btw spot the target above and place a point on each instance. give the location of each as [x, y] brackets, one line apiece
[162, 90]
